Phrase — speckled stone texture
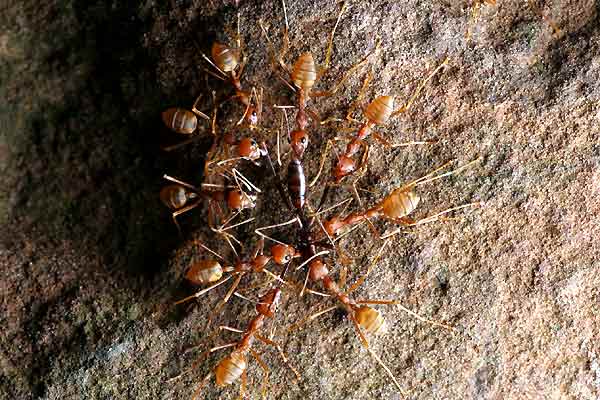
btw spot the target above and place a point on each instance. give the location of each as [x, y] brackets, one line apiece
[92, 264]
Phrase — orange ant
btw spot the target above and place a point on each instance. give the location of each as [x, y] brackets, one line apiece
[365, 319]
[304, 74]
[396, 206]
[176, 197]
[210, 271]
[378, 112]
[229, 62]
[234, 366]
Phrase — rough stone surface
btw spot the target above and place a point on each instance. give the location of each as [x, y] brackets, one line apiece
[91, 263]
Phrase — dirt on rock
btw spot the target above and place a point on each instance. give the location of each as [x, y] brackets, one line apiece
[91, 263]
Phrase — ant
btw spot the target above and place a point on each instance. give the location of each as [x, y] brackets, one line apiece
[229, 63]
[176, 197]
[234, 366]
[377, 113]
[210, 271]
[396, 206]
[303, 74]
[365, 319]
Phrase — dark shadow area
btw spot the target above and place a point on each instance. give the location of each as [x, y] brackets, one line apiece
[84, 167]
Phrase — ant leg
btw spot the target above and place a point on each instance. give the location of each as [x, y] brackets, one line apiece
[426, 220]
[390, 145]
[361, 94]
[184, 210]
[277, 60]
[198, 112]
[281, 353]
[314, 115]
[343, 276]
[365, 344]
[260, 247]
[182, 143]
[205, 290]
[388, 371]
[208, 71]
[422, 181]
[212, 336]
[225, 299]
[243, 385]
[259, 232]
[223, 73]
[278, 183]
[419, 89]
[201, 386]
[346, 75]
[199, 243]
[330, 46]
[265, 368]
[291, 284]
[181, 183]
[309, 318]
[199, 359]
[328, 148]
[430, 177]
[370, 268]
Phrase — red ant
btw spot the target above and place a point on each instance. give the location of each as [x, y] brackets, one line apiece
[396, 207]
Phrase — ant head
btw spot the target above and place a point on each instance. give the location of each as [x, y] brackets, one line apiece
[299, 142]
[282, 254]
[333, 225]
[236, 200]
[249, 148]
[344, 166]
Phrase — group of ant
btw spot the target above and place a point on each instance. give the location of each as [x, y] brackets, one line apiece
[228, 193]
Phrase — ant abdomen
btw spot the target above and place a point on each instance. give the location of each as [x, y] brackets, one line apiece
[400, 203]
[180, 120]
[230, 369]
[304, 73]
[204, 271]
[225, 57]
[175, 197]
[369, 319]
[296, 183]
[380, 110]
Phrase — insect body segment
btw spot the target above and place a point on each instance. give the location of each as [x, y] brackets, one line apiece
[175, 196]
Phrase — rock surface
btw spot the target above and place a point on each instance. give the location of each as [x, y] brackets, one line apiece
[91, 263]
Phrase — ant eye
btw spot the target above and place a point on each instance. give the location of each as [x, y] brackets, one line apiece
[286, 258]
[303, 140]
[253, 142]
